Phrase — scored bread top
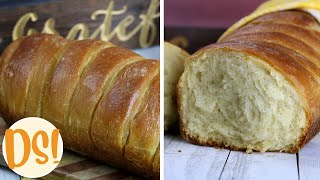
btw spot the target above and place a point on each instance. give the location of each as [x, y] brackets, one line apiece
[5, 57]
[92, 91]
[18, 72]
[96, 79]
[64, 81]
[145, 138]
[47, 59]
[120, 105]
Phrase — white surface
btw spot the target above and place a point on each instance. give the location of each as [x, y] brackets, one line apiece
[262, 166]
[309, 160]
[193, 162]
[183, 160]
[149, 53]
[6, 174]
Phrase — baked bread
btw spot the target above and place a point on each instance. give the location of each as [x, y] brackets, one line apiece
[174, 58]
[256, 90]
[104, 99]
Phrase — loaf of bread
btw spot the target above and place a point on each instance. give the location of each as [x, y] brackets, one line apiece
[174, 58]
[256, 90]
[104, 99]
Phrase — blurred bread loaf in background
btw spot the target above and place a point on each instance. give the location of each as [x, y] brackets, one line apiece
[174, 58]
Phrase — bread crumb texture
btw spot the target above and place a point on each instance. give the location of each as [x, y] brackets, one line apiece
[238, 100]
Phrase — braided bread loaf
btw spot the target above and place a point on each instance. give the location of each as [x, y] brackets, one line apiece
[104, 99]
[258, 89]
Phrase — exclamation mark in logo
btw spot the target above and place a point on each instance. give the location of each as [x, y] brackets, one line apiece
[54, 141]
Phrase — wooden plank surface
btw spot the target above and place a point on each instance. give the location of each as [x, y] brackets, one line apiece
[262, 166]
[75, 166]
[183, 160]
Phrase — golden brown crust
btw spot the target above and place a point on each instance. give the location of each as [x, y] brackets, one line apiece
[293, 17]
[283, 40]
[47, 59]
[96, 79]
[119, 106]
[63, 82]
[276, 42]
[179, 50]
[77, 79]
[310, 37]
[18, 72]
[5, 57]
[145, 132]
[156, 164]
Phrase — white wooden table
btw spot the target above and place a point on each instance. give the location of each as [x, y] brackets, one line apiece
[183, 160]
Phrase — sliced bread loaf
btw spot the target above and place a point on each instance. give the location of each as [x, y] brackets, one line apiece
[257, 90]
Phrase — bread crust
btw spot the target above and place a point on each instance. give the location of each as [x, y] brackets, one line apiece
[96, 79]
[47, 59]
[156, 164]
[17, 74]
[275, 45]
[5, 57]
[119, 106]
[293, 17]
[145, 138]
[180, 51]
[80, 80]
[63, 83]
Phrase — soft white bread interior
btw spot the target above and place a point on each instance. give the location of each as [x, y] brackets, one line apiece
[237, 100]
[174, 58]
[258, 89]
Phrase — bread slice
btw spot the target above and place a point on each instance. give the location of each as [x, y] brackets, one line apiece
[255, 91]
[173, 68]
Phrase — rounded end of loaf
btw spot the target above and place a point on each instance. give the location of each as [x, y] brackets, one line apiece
[232, 99]
[174, 58]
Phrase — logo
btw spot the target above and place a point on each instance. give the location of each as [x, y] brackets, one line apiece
[32, 147]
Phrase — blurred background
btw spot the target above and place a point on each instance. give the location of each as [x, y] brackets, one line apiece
[68, 13]
[192, 24]
[207, 13]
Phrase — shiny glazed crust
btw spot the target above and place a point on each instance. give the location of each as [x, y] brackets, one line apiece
[103, 98]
